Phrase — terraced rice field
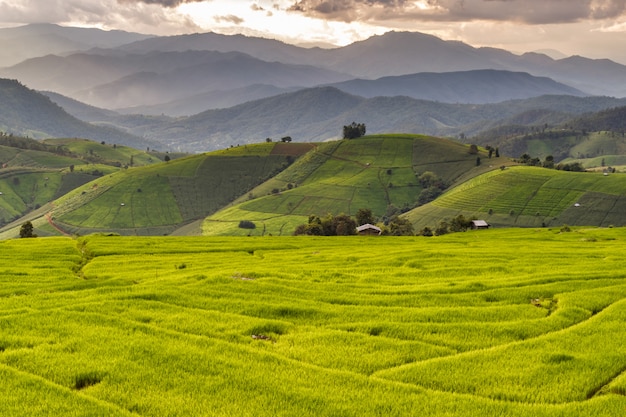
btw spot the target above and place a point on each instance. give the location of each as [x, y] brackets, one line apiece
[489, 323]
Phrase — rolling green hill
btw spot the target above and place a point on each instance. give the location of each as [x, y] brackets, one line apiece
[271, 188]
[33, 173]
[158, 199]
[376, 172]
[532, 197]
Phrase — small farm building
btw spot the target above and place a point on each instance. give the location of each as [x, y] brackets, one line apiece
[479, 224]
[368, 230]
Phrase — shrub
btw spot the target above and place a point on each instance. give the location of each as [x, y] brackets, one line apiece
[247, 224]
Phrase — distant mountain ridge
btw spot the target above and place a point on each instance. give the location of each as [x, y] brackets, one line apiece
[28, 113]
[476, 86]
[315, 114]
[116, 80]
[20, 43]
[401, 53]
[318, 114]
[156, 73]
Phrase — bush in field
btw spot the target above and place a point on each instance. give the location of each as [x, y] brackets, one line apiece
[247, 224]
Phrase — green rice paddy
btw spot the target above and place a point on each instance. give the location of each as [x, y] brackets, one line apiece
[499, 322]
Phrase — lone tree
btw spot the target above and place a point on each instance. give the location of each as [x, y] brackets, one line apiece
[354, 130]
[27, 230]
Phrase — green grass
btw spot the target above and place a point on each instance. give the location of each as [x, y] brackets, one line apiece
[502, 322]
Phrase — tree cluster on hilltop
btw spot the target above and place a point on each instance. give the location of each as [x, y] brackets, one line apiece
[354, 130]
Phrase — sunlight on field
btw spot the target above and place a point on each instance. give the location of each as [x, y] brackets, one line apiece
[490, 323]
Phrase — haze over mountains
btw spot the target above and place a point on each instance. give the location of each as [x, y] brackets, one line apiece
[237, 89]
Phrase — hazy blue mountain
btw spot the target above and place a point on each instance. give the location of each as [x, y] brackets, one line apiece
[80, 110]
[261, 48]
[217, 99]
[28, 113]
[115, 80]
[157, 71]
[478, 86]
[402, 53]
[20, 43]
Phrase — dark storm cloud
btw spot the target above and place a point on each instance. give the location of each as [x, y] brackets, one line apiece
[527, 11]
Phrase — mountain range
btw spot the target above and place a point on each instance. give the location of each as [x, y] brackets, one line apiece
[207, 91]
[159, 71]
[314, 114]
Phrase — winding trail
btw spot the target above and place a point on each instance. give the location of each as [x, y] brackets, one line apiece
[55, 226]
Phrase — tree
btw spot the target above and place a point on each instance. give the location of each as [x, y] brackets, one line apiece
[428, 179]
[167, 158]
[27, 230]
[426, 231]
[442, 228]
[401, 227]
[549, 162]
[354, 130]
[364, 216]
[459, 224]
[473, 149]
[428, 194]
[285, 139]
[341, 225]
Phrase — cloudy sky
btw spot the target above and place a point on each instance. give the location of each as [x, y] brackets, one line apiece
[592, 28]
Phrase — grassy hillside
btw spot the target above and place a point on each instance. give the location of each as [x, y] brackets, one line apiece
[532, 197]
[565, 145]
[34, 172]
[373, 172]
[490, 323]
[158, 199]
[271, 188]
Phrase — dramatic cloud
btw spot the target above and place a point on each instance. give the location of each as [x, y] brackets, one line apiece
[230, 19]
[134, 16]
[525, 11]
[164, 3]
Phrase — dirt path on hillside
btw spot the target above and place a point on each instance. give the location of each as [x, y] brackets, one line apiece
[55, 226]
